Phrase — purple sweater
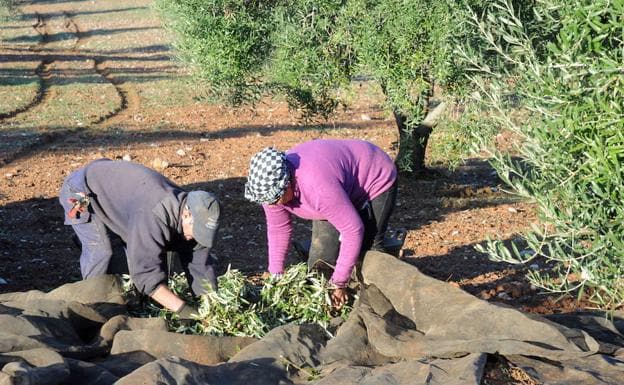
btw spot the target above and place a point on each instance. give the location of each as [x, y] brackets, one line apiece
[333, 179]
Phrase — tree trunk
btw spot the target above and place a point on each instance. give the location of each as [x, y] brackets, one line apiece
[414, 139]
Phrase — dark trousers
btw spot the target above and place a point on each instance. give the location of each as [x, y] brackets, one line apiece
[375, 215]
[98, 245]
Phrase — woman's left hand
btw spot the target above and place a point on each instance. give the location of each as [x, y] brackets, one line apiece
[338, 297]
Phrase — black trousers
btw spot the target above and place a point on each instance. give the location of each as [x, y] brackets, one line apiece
[375, 215]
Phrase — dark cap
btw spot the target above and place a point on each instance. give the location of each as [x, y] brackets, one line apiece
[205, 209]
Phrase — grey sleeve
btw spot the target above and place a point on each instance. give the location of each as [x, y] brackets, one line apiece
[147, 237]
[202, 271]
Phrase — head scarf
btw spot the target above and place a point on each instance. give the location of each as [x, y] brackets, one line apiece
[268, 178]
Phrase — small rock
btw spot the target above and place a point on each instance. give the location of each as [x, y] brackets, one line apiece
[181, 152]
[204, 140]
[9, 175]
[504, 296]
[487, 294]
[516, 291]
[512, 210]
[127, 157]
[454, 233]
[365, 117]
[159, 164]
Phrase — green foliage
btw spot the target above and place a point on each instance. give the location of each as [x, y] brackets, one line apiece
[231, 310]
[245, 49]
[453, 139]
[7, 9]
[241, 307]
[406, 47]
[309, 51]
[562, 61]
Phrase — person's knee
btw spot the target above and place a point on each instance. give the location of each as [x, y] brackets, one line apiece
[323, 249]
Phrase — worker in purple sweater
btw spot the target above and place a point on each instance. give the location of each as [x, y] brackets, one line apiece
[346, 187]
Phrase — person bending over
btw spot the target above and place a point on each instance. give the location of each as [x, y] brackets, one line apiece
[347, 188]
[152, 216]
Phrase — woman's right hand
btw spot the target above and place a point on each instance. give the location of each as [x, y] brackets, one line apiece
[338, 297]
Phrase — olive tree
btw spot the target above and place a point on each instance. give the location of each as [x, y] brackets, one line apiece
[552, 72]
[310, 51]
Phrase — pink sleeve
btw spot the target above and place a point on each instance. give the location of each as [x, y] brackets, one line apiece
[279, 230]
[340, 212]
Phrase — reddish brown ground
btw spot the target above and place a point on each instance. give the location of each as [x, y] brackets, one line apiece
[208, 146]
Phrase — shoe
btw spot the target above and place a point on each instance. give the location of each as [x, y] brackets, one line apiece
[394, 240]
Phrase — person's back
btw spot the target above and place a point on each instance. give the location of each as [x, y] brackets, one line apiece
[347, 187]
[362, 169]
[152, 216]
[125, 191]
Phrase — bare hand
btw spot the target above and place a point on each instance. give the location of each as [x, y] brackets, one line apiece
[338, 298]
[266, 275]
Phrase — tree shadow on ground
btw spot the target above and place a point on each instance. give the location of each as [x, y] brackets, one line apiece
[25, 2]
[81, 56]
[498, 282]
[459, 264]
[49, 15]
[65, 36]
[22, 143]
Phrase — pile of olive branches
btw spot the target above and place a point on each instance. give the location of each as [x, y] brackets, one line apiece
[242, 307]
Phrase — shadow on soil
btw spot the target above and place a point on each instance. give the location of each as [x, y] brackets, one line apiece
[21, 144]
[24, 2]
[49, 15]
[64, 36]
[80, 57]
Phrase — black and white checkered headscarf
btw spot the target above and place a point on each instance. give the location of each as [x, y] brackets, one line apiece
[268, 178]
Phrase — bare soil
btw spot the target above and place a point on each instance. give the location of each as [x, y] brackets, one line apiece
[209, 146]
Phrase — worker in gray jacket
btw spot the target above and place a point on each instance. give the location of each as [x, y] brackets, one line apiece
[152, 216]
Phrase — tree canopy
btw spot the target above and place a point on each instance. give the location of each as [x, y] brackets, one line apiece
[561, 64]
[310, 50]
